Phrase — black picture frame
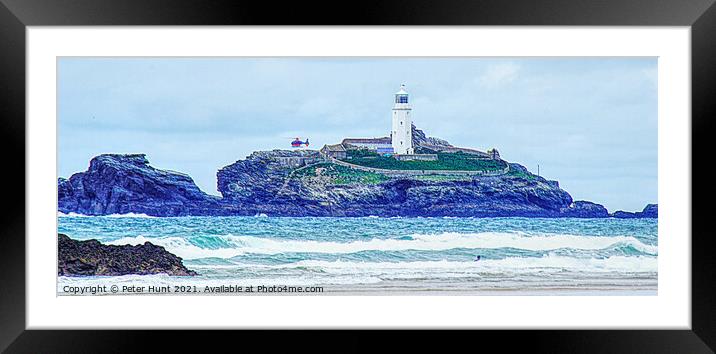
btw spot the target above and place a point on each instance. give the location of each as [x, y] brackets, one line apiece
[16, 15]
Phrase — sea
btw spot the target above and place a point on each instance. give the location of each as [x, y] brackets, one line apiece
[382, 256]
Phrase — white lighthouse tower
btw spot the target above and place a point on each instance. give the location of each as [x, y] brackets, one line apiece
[402, 133]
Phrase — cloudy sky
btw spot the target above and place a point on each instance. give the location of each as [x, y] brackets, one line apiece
[590, 123]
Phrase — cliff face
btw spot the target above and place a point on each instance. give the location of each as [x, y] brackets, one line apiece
[120, 184]
[296, 183]
[261, 177]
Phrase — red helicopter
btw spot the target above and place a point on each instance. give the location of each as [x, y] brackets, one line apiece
[298, 143]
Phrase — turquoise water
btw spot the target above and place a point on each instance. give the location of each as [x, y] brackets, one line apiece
[515, 253]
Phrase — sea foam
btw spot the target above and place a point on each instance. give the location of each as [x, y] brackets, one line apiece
[512, 264]
[127, 215]
[231, 246]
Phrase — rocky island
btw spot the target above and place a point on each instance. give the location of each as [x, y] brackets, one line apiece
[340, 180]
[650, 211]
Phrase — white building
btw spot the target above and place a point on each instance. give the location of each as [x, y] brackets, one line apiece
[402, 132]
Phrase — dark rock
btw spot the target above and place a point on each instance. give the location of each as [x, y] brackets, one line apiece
[585, 209]
[650, 211]
[83, 258]
[624, 215]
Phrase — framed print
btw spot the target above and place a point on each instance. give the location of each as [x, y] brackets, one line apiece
[535, 178]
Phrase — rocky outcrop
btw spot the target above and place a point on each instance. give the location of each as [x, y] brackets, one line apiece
[650, 211]
[85, 258]
[585, 209]
[121, 184]
[420, 139]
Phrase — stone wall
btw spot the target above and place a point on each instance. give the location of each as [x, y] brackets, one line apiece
[455, 149]
[296, 161]
[417, 157]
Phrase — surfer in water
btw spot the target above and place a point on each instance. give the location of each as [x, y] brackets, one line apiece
[477, 259]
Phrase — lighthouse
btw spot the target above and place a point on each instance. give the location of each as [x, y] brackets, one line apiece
[402, 132]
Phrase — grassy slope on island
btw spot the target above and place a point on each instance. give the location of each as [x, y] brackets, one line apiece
[338, 174]
[453, 161]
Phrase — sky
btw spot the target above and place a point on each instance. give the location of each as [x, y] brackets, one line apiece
[589, 123]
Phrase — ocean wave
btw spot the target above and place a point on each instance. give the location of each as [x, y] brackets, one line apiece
[127, 215]
[228, 246]
[548, 263]
[71, 214]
